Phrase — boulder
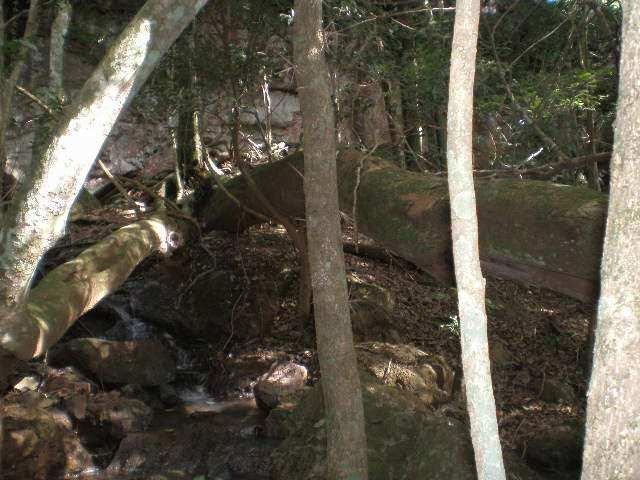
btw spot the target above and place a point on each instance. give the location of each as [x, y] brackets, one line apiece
[556, 449]
[144, 362]
[38, 441]
[117, 414]
[283, 381]
[371, 308]
[184, 301]
[428, 377]
[403, 443]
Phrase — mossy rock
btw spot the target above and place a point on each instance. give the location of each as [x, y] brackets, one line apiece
[371, 308]
[403, 443]
[428, 377]
[405, 440]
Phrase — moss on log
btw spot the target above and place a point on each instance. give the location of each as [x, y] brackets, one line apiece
[530, 231]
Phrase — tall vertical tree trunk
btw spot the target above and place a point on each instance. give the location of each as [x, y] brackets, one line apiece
[612, 445]
[9, 76]
[346, 440]
[59, 28]
[40, 209]
[464, 226]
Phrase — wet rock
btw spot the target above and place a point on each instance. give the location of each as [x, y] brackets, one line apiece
[67, 383]
[38, 440]
[555, 391]
[192, 447]
[371, 308]
[146, 362]
[402, 443]
[168, 395]
[282, 381]
[426, 376]
[557, 449]
[118, 414]
[12, 371]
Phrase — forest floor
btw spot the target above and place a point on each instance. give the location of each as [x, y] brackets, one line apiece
[538, 339]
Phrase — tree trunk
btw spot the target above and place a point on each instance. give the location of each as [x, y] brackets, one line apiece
[9, 76]
[530, 231]
[612, 445]
[346, 440]
[464, 227]
[41, 207]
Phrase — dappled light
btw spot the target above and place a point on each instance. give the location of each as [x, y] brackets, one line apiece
[312, 240]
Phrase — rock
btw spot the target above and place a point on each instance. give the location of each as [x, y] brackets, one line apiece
[239, 373]
[557, 449]
[168, 395]
[555, 391]
[97, 321]
[38, 440]
[371, 308]
[426, 376]
[28, 383]
[402, 443]
[67, 383]
[499, 354]
[118, 414]
[192, 447]
[145, 362]
[282, 381]
[200, 306]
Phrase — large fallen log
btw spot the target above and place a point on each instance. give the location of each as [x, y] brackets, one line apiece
[530, 231]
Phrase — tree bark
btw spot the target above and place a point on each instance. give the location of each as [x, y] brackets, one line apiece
[9, 79]
[612, 444]
[346, 439]
[75, 287]
[530, 231]
[464, 227]
[40, 209]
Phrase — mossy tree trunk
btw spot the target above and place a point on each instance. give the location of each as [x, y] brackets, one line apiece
[41, 206]
[464, 228]
[612, 444]
[346, 440]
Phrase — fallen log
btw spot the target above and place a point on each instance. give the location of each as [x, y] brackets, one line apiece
[533, 232]
[75, 287]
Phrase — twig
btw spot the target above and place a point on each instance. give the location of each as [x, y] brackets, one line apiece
[35, 99]
[541, 39]
[231, 196]
[523, 111]
[120, 188]
[176, 210]
[397, 14]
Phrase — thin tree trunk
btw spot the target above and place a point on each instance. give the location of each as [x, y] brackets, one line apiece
[42, 204]
[59, 30]
[464, 227]
[612, 445]
[346, 440]
[9, 79]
